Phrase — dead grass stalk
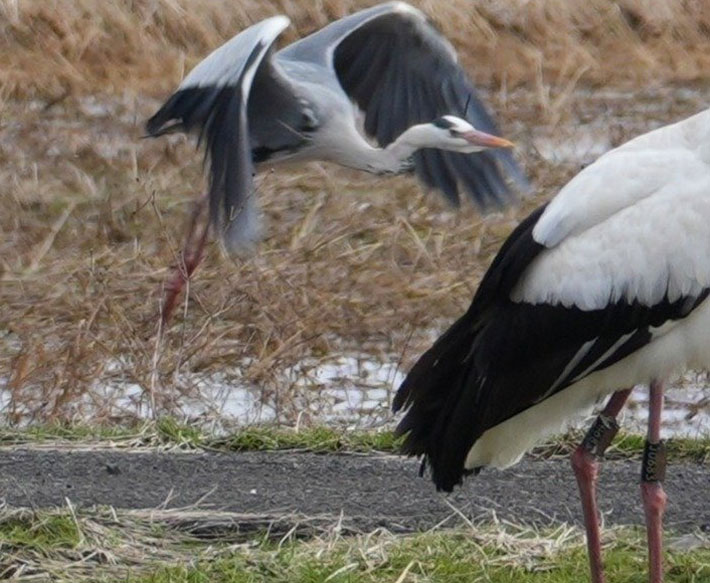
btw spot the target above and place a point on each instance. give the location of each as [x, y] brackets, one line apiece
[92, 215]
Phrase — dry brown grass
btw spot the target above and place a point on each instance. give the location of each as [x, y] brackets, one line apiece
[92, 215]
[64, 47]
[108, 544]
[102, 544]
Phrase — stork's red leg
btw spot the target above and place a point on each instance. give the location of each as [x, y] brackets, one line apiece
[585, 462]
[653, 473]
[190, 258]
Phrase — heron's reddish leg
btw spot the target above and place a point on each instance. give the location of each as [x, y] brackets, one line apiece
[585, 462]
[190, 258]
[652, 474]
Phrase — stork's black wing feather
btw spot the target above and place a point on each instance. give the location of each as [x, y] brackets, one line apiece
[503, 357]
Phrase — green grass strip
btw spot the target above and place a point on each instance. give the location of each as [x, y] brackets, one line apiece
[446, 557]
[168, 432]
[102, 544]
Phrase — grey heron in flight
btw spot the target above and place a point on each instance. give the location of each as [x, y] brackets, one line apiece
[251, 104]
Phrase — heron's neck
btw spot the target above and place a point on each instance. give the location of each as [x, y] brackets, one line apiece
[396, 158]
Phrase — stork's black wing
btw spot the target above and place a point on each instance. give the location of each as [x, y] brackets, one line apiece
[503, 357]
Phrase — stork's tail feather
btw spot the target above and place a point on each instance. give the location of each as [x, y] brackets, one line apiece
[430, 395]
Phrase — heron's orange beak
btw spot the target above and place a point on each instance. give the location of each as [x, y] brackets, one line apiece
[486, 140]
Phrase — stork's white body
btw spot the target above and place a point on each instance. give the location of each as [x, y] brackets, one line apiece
[606, 287]
[635, 225]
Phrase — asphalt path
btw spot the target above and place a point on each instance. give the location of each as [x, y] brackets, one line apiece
[357, 492]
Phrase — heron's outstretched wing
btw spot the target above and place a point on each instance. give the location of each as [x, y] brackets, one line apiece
[401, 71]
[215, 99]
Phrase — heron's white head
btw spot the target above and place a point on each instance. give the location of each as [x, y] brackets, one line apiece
[455, 134]
[444, 133]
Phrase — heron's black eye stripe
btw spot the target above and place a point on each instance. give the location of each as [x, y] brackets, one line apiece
[443, 123]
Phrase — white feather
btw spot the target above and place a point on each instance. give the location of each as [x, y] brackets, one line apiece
[633, 225]
[625, 175]
[581, 353]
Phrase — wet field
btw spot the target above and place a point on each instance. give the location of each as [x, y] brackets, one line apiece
[351, 382]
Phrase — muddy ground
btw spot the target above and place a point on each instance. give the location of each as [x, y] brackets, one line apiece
[281, 490]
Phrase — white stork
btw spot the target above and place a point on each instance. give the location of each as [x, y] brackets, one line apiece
[601, 289]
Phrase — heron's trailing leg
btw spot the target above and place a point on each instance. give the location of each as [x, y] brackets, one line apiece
[653, 472]
[189, 259]
[585, 462]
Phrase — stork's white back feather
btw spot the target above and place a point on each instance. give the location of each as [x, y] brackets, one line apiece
[633, 225]
[625, 175]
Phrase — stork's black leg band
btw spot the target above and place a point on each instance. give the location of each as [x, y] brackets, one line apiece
[653, 468]
[600, 435]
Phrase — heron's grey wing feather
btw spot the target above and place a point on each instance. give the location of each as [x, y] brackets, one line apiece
[222, 68]
[318, 47]
[279, 117]
[399, 53]
[213, 100]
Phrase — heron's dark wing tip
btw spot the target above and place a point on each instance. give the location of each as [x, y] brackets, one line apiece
[156, 129]
[188, 108]
[155, 123]
[490, 182]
